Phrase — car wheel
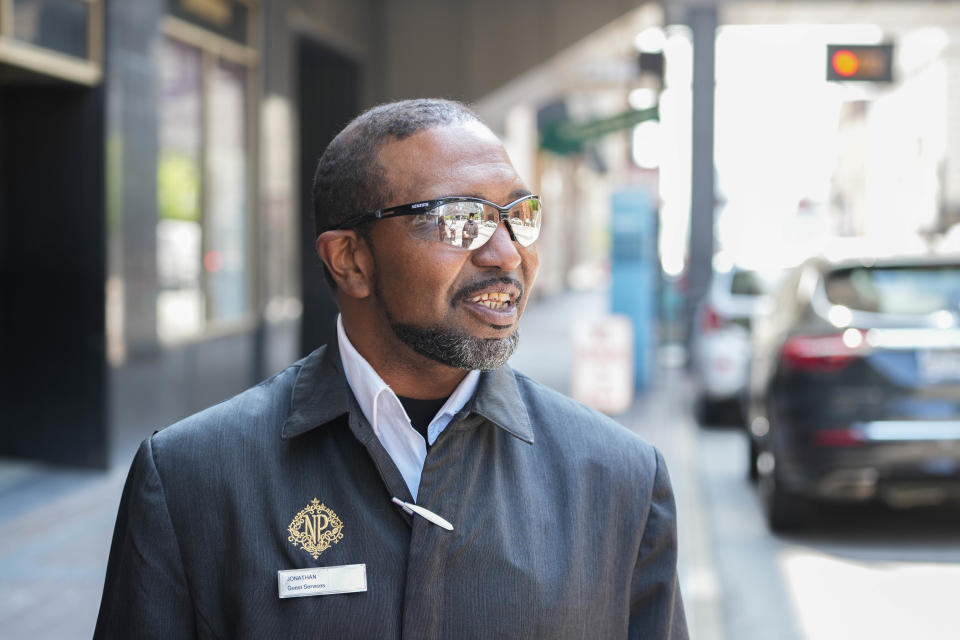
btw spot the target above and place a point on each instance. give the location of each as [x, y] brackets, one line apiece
[752, 454]
[706, 411]
[785, 510]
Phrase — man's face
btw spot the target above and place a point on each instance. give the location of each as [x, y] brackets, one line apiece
[450, 304]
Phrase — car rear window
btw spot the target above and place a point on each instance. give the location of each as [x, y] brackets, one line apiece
[753, 283]
[909, 290]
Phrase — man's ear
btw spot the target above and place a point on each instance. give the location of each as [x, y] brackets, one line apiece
[348, 259]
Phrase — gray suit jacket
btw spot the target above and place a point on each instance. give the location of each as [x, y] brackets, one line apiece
[564, 523]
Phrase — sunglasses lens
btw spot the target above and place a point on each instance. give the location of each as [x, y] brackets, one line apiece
[524, 220]
[469, 225]
[462, 224]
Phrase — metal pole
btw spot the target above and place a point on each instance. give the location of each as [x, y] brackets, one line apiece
[703, 24]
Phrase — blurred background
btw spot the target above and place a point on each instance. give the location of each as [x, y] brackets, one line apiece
[751, 258]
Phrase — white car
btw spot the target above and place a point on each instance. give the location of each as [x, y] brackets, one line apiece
[721, 341]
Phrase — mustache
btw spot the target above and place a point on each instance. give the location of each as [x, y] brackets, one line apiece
[469, 290]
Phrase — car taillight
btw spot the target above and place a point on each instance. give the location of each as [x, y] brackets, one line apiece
[710, 320]
[837, 438]
[831, 352]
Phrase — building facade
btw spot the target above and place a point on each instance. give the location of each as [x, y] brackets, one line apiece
[156, 246]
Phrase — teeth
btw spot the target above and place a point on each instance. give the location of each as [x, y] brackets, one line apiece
[493, 300]
[495, 297]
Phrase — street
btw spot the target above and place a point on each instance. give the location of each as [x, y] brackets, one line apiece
[864, 572]
[854, 573]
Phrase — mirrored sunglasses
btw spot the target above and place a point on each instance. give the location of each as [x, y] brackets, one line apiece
[464, 221]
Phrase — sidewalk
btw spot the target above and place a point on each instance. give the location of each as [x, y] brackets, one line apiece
[56, 525]
[55, 529]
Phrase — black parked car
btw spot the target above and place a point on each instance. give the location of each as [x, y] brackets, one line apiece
[854, 389]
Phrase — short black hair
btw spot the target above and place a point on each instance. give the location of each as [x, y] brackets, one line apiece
[349, 179]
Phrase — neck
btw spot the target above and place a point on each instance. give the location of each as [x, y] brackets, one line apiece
[408, 373]
[424, 380]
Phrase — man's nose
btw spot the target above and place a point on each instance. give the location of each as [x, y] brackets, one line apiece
[499, 251]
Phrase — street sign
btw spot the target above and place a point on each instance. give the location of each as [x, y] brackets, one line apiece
[860, 62]
[602, 375]
[567, 137]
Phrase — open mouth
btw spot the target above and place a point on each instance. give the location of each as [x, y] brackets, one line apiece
[495, 300]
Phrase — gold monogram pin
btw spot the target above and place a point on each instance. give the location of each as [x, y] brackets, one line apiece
[315, 528]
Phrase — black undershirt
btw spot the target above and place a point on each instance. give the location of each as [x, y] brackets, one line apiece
[421, 412]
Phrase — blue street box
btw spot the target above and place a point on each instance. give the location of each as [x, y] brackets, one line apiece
[634, 271]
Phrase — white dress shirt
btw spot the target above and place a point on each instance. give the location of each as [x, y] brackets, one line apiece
[387, 416]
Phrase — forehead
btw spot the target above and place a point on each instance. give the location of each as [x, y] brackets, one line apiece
[464, 159]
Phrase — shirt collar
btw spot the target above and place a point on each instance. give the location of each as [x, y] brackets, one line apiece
[321, 394]
[372, 393]
[377, 400]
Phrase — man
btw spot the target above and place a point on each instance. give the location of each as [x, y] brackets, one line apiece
[445, 231]
[403, 479]
[470, 231]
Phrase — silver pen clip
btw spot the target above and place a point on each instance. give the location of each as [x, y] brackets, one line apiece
[411, 508]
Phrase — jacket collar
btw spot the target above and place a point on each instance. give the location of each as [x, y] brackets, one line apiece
[321, 394]
[498, 400]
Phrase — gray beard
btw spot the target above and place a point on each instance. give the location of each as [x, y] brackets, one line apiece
[452, 348]
[456, 349]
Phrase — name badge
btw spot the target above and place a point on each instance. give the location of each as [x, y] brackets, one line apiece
[322, 581]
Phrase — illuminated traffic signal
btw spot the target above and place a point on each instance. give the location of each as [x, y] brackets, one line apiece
[860, 62]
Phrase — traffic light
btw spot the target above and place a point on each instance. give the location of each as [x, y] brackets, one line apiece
[652, 63]
[860, 62]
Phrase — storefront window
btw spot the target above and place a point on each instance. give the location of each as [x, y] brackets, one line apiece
[180, 303]
[203, 192]
[226, 259]
[57, 39]
[58, 25]
[227, 18]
